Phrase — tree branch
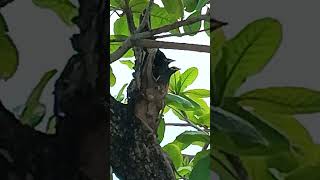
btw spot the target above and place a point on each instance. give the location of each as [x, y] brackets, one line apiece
[144, 35]
[129, 15]
[148, 43]
[146, 17]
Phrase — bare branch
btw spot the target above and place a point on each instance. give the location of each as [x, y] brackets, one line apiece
[145, 17]
[148, 43]
[129, 15]
[121, 51]
[136, 37]
[182, 34]
[178, 124]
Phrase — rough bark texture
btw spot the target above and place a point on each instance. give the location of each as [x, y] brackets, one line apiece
[78, 151]
[135, 151]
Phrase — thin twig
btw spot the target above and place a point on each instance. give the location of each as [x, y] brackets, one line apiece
[177, 124]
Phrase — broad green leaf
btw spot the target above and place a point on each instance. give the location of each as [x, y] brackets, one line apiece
[195, 27]
[221, 165]
[309, 171]
[8, 52]
[138, 5]
[217, 39]
[174, 153]
[116, 3]
[283, 100]
[204, 120]
[51, 125]
[190, 5]
[257, 168]
[160, 17]
[34, 110]
[201, 169]
[174, 8]
[129, 63]
[199, 93]
[3, 25]
[63, 8]
[301, 141]
[277, 140]
[120, 95]
[235, 135]
[121, 25]
[161, 130]
[174, 85]
[179, 102]
[187, 78]
[112, 78]
[188, 138]
[199, 156]
[245, 55]
[201, 3]
[184, 171]
[8, 57]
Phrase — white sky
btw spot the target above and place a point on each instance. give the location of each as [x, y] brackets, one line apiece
[184, 60]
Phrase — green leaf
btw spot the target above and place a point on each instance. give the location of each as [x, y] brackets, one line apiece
[217, 39]
[300, 140]
[129, 63]
[199, 93]
[174, 85]
[34, 110]
[257, 168]
[138, 5]
[190, 5]
[184, 171]
[174, 8]
[309, 171]
[121, 25]
[235, 135]
[8, 52]
[161, 130]
[277, 141]
[245, 55]
[201, 169]
[283, 100]
[9, 57]
[63, 8]
[112, 78]
[221, 165]
[204, 120]
[120, 95]
[3, 25]
[201, 3]
[160, 17]
[187, 78]
[174, 153]
[51, 125]
[195, 27]
[179, 102]
[188, 138]
[116, 3]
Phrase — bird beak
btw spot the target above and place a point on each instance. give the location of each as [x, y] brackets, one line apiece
[170, 60]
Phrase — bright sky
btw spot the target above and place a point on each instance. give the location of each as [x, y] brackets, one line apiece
[184, 60]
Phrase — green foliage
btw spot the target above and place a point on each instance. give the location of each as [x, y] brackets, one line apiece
[258, 126]
[8, 52]
[186, 103]
[34, 110]
[63, 8]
